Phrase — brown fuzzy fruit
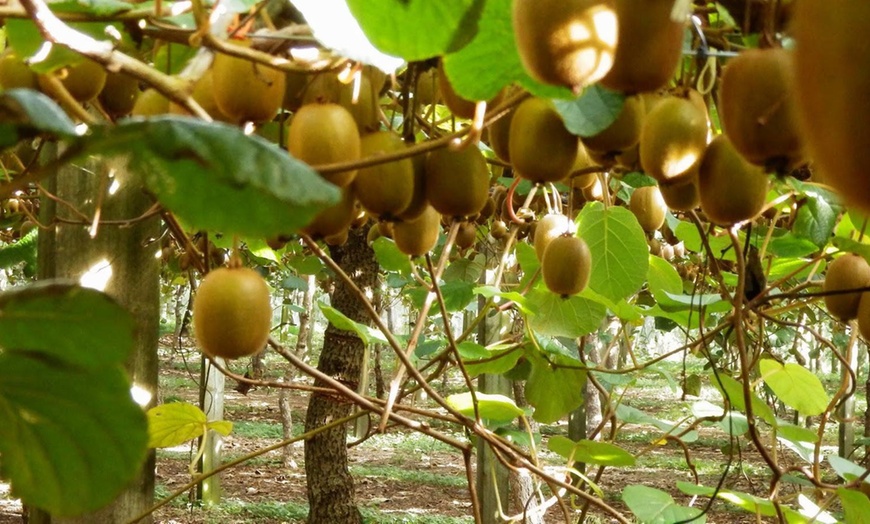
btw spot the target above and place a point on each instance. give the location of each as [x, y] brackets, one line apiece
[550, 226]
[14, 73]
[457, 182]
[418, 199]
[623, 133]
[457, 105]
[649, 207]
[324, 134]
[569, 43]
[384, 190]
[119, 94]
[333, 220]
[204, 95]
[540, 147]
[499, 136]
[682, 195]
[650, 27]
[232, 313]
[566, 265]
[427, 91]
[246, 91]
[832, 81]
[466, 235]
[673, 139]
[849, 271]
[864, 316]
[150, 103]
[328, 88]
[84, 80]
[418, 237]
[732, 190]
[757, 108]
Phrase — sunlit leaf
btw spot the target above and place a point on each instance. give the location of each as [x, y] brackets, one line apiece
[71, 437]
[215, 177]
[592, 112]
[497, 409]
[590, 451]
[175, 423]
[389, 257]
[224, 427]
[856, 505]
[340, 321]
[496, 362]
[795, 385]
[563, 317]
[654, 506]
[732, 391]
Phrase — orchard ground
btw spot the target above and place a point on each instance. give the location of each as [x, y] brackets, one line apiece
[404, 477]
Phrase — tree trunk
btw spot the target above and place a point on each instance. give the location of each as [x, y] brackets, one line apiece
[68, 251]
[330, 486]
[301, 349]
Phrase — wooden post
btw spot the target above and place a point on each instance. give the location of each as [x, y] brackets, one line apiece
[211, 400]
[846, 412]
[125, 259]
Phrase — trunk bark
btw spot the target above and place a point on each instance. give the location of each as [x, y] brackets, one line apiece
[68, 251]
[330, 486]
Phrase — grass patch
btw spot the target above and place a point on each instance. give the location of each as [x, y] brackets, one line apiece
[410, 475]
[256, 429]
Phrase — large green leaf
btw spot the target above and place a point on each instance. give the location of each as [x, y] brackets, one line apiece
[71, 437]
[732, 391]
[340, 321]
[563, 317]
[418, 29]
[745, 501]
[816, 219]
[663, 279]
[654, 506]
[795, 385]
[590, 451]
[856, 505]
[632, 415]
[592, 112]
[620, 256]
[554, 391]
[178, 422]
[493, 45]
[25, 113]
[26, 40]
[496, 362]
[496, 409]
[215, 177]
[389, 257]
[70, 324]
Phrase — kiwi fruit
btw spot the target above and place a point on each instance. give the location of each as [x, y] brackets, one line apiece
[757, 108]
[457, 182]
[849, 271]
[418, 198]
[498, 230]
[417, 237]
[540, 147]
[466, 235]
[204, 95]
[83, 81]
[232, 313]
[682, 195]
[673, 139]
[338, 239]
[566, 265]
[384, 190]
[569, 43]
[334, 219]
[832, 81]
[550, 226]
[119, 94]
[14, 73]
[732, 190]
[864, 316]
[325, 134]
[653, 29]
[150, 103]
[623, 133]
[246, 91]
[364, 107]
[426, 91]
[499, 136]
[649, 207]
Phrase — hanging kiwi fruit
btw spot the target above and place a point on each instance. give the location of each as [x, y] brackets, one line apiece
[246, 91]
[623, 133]
[757, 108]
[648, 207]
[540, 147]
[832, 82]
[325, 134]
[849, 271]
[569, 43]
[566, 265]
[417, 237]
[457, 182]
[83, 80]
[232, 313]
[14, 73]
[673, 139]
[732, 190]
[550, 226]
[119, 94]
[384, 190]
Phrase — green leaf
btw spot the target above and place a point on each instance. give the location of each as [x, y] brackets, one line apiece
[745, 501]
[733, 392]
[554, 391]
[25, 113]
[632, 415]
[795, 385]
[816, 219]
[465, 269]
[796, 433]
[340, 321]
[497, 409]
[70, 324]
[389, 257]
[654, 506]
[563, 317]
[846, 469]
[305, 265]
[215, 177]
[496, 362]
[590, 451]
[71, 437]
[592, 112]
[663, 279]
[789, 245]
[720, 245]
[528, 261]
[457, 294]
[491, 291]
[472, 350]
[494, 45]
[22, 250]
[174, 424]
[620, 256]
[417, 29]
[92, 7]
[26, 40]
[224, 427]
[856, 505]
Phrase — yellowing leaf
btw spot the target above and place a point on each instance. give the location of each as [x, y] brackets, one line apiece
[173, 424]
